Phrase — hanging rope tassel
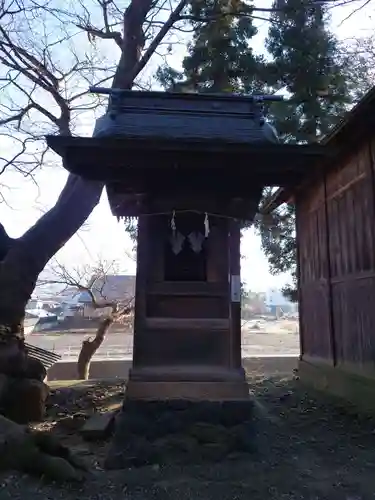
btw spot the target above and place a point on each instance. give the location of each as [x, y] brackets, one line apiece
[173, 221]
[206, 226]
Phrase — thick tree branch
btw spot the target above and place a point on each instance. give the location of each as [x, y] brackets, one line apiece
[133, 42]
[33, 62]
[17, 55]
[105, 35]
[174, 17]
[11, 62]
[18, 116]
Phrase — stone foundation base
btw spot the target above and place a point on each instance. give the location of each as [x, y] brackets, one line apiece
[356, 389]
[180, 432]
[192, 383]
[198, 391]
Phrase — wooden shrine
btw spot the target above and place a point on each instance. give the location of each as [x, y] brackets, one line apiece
[191, 168]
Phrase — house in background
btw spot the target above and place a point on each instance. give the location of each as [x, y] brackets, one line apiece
[117, 287]
[253, 304]
[70, 302]
[114, 288]
[277, 303]
[41, 315]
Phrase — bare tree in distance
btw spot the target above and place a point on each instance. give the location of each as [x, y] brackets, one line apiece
[93, 281]
[358, 56]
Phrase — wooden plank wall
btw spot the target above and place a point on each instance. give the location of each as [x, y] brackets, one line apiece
[336, 231]
[313, 273]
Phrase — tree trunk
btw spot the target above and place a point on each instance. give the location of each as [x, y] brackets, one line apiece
[24, 259]
[29, 254]
[133, 43]
[89, 348]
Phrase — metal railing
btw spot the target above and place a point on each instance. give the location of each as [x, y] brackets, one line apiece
[114, 352]
[47, 358]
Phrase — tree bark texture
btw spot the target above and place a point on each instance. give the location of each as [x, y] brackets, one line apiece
[89, 348]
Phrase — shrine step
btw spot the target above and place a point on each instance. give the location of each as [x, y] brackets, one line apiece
[188, 373]
[188, 323]
[194, 391]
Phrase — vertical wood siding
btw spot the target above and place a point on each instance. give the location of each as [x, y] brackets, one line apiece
[336, 241]
[314, 274]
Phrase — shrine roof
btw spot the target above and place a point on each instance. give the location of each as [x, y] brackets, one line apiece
[146, 137]
[127, 159]
[186, 97]
[150, 144]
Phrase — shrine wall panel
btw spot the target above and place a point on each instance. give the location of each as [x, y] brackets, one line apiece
[183, 347]
[313, 273]
[350, 202]
[336, 232]
[187, 307]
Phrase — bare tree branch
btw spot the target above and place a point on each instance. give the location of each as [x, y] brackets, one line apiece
[355, 11]
[105, 35]
[91, 280]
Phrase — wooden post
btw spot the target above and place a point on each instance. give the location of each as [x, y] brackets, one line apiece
[299, 284]
[235, 292]
[328, 277]
[140, 288]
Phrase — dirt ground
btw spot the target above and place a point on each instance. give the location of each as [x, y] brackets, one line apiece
[307, 447]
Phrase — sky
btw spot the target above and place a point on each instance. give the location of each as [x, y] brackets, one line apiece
[102, 237]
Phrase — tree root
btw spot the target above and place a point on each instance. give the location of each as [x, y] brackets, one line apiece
[37, 453]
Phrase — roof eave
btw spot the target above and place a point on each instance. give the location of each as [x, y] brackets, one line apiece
[342, 129]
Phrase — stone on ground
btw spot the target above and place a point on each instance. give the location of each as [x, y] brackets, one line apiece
[25, 400]
[98, 426]
[35, 369]
[22, 391]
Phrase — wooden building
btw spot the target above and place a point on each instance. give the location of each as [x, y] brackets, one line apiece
[335, 220]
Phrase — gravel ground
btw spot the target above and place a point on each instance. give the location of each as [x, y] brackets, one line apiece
[308, 447]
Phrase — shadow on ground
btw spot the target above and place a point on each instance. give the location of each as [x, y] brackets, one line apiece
[307, 447]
